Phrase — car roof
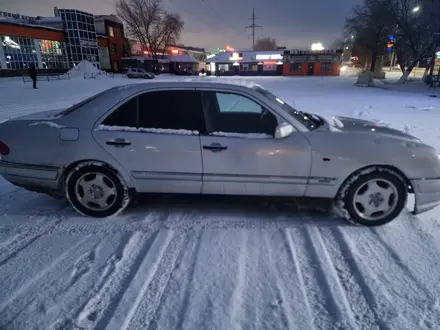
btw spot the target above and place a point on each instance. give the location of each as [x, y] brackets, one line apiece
[145, 86]
[97, 104]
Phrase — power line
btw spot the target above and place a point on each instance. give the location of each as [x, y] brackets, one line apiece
[253, 26]
[218, 14]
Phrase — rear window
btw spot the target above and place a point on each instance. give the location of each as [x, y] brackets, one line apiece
[80, 104]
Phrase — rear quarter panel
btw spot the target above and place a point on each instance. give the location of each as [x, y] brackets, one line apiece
[40, 144]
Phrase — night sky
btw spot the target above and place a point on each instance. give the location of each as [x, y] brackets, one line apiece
[295, 24]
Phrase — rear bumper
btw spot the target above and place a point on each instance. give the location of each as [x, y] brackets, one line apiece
[427, 194]
[24, 175]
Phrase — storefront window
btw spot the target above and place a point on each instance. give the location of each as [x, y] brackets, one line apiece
[326, 67]
[223, 67]
[248, 67]
[269, 66]
[52, 54]
[19, 52]
[295, 67]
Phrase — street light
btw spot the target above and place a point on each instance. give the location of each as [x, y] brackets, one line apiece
[416, 9]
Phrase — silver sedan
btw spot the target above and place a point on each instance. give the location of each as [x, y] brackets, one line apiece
[215, 138]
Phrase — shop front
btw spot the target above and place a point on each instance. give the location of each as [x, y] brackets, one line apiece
[22, 45]
[312, 63]
[251, 63]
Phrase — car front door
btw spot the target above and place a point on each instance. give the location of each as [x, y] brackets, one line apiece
[240, 153]
[156, 137]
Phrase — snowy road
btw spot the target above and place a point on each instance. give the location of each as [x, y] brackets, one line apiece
[228, 263]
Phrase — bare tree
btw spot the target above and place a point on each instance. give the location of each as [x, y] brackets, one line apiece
[339, 43]
[150, 24]
[416, 22]
[370, 24]
[266, 44]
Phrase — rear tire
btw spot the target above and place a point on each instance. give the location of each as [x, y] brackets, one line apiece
[373, 199]
[96, 191]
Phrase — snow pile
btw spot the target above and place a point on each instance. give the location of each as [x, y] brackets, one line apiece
[84, 67]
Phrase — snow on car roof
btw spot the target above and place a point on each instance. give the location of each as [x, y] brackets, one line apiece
[238, 82]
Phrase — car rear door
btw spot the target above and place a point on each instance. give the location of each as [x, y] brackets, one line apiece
[156, 137]
[240, 154]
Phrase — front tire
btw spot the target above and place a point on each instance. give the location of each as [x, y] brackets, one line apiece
[373, 199]
[96, 191]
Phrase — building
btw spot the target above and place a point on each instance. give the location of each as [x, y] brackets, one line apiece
[61, 42]
[80, 34]
[25, 40]
[308, 62]
[199, 54]
[246, 63]
[111, 41]
[183, 64]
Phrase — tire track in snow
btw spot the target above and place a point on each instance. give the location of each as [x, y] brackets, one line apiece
[294, 259]
[65, 301]
[237, 312]
[368, 311]
[189, 284]
[21, 241]
[322, 284]
[99, 309]
[29, 292]
[51, 289]
[283, 307]
[431, 310]
[148, 303]
[86, 226]
[402, 265]
[396, 281]
[12, 191]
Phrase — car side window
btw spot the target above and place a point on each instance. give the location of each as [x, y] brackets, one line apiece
[237, 114]
[236, 103]
[172, 110]
[124, 116]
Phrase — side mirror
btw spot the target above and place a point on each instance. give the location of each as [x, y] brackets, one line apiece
[283, 130]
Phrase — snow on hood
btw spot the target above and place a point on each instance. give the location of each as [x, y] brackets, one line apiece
[348, 124]
[334, 124]
[360, 125]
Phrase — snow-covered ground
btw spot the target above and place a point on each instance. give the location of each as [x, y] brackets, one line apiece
[210, 263]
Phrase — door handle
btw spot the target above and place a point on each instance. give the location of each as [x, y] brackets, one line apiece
[215, 147]
[118, 143]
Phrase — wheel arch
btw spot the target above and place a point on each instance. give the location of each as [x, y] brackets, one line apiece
[371, 168]
[85, 162]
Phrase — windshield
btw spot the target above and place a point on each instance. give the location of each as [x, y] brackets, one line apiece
[308, 120]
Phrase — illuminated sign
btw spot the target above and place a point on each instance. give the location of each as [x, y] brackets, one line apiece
[236, 57]
[262, 57]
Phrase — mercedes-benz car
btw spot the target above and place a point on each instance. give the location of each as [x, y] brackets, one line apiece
[200, 137]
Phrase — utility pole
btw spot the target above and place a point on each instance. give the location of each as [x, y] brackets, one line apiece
[253, 26]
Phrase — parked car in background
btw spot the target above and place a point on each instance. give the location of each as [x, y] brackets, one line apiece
[207, 137]
[139, 73]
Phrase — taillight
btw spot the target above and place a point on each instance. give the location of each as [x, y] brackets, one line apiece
[4, 149]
